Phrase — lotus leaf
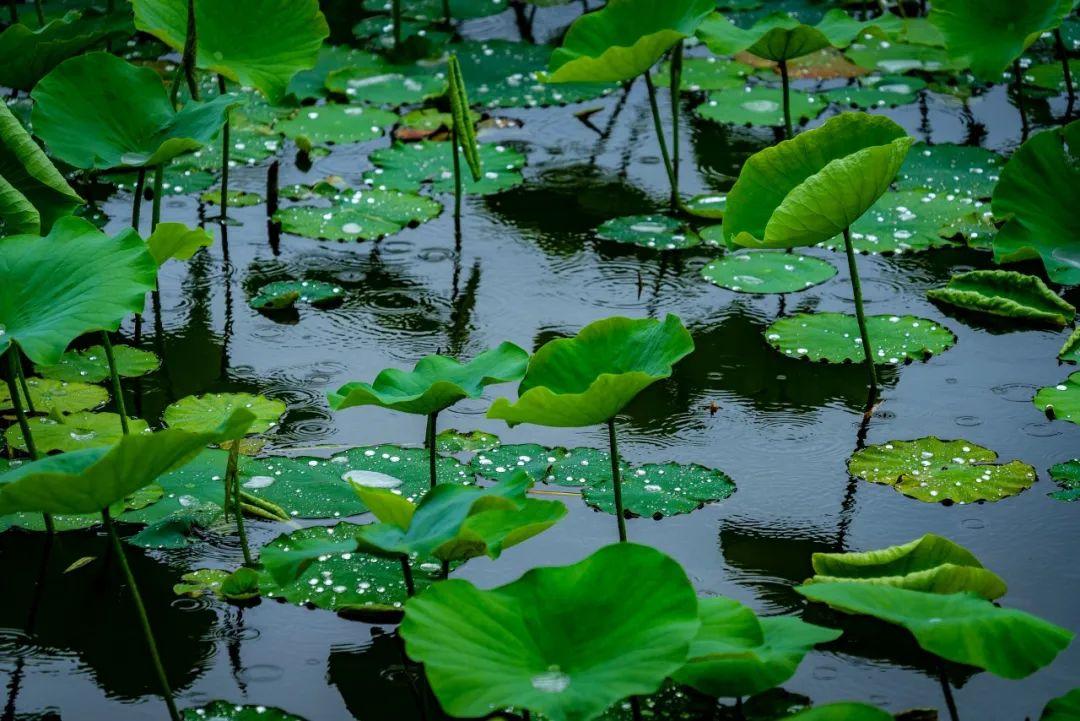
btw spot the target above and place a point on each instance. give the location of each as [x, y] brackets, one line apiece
[506, 460]
[707, 205]
[433, 9]
[1066, 475]
[842, 711]
[418, 36]
[1070, 350]
[959, 627]
[759, 105]
[877, 91]
[73, 432]
[247, 146]
[1005, 293]
[809, 189]
[33, 193]
[228, 711]
[235, 198]
[506, 647]
[1033, 197]
[834, 338]
[658, 490]
[435, 383]
[936, 471]
[257, 43]
[73, 281]
[708, 73]
[359, 215]
[624, 39]
[735, 653]
[142, 498]
[286, 293]
[581, 467]
[205, 581]
[86, 122]
[336, 124]
[49, 395]
[385, 85]
[588, 379]
[989, 36]
[428, 121]
[94, 478]
[177, 180]
[176, 241]
[309, 84]
[1051, 76]
[964, 170]
[1063, 708]
[1061, 401]
[195, 413]
[885, 56]
[764, 271]
[909, 221]
[91, 366]
[931, 563]
[408, 167]
[454, 441]
[656, 232]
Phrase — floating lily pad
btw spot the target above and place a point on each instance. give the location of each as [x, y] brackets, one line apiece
[834, 338]
[91, 366]
[196, 413]
[250, 146]
[1066, 475]
[1051, 76]
[1005, 293]
[60, 396]
[504, 461]
[378, 31]
[309, 84]
[767, 271]
[359, 215]
[345, 582]
[433, 9]
[878, 91]
[142, 498]
[708, 73]
[335, 124]
[662, 489]
[582, 468]
[237, 198]
[425, 122]
[1061, 401]
[936, 471]
[193, 497]
[73, 432]
[202, 582]
[708, 205]
[759, 105]
[178, 179]
[909, 221]
[657, 232]
[963, 170]
[408, 167]
[384, 86]
[892, 58]
[286, 293]
[454, 441]
[228, 711]
[713, 235]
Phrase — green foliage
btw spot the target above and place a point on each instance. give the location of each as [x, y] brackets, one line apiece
[1061, 401]
[463, 130]
[1066, 475]
[834, 338]
[658, 490]
[359, 215]
[72, 432]
[197, 413]
[779, 36]
[656, 232]
[91, 366]
[228, 711]
[1007, 294]
[1063, 708]
[842, 711]
[55, 396]
[760, 105]
[335, 124]
[964, 170]
[285, 294]
[763, 271]
[411, 166]
[176, 241]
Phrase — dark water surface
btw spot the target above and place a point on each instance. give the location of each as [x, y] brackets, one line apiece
[526, 268]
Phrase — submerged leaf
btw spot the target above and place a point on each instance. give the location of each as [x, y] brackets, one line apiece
[1005, 293]
[835, 338]
[765, 271]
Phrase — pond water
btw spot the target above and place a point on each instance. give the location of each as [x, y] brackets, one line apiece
[526, 267]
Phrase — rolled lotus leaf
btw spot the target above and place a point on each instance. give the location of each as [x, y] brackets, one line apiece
[435, 383]
[588, 379]
[624, 39]
[808, 189]
[1005, 293]
[513, 647]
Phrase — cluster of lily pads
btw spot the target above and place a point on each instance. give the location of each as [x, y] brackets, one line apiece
[617, 630]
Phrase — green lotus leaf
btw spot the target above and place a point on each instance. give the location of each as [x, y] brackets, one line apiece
[73, 281]
[909, 221]
[196, 413]
[1070, 350]
[179, 529]
[176, 241]
[505, 647]
[588, 379]
[285, 294]
[408, 167]
[91, 366]
[1032, 195]
[86, 124]
[236, 198]
[455, 523]
[708, 205]
[893, 58]
[960, 627]
[737, 654]
[581, 468]
[63, 522]
[764, 271]
[658, 490]
[454, 441]
[1007, 294]
[779, 37]
[809, 189]
[310, 84]
[430, 10]
[27, 55]
[33, 193]
[49, 395]
[389, 85]
[257, 43]
[1051, 76]
[834, 338]
[1061, 401]
[656, 232]
[228, 711]
[936, 471]
[1063, 708]
[707, 73]
[250, 145]
[759, 105]
[624, 39]
[177, 180]
[431, 120]
[338, 579]
[193, 499]
[988, 36]
[359, 215]
[419, 36]
[1066, 475]
[965, 170]
[931, 563]
[506, 460]
[435, 383]
[73, 432]
[203, 582]
[877, 91]
[842, 711]
[336, 124]
[89, 480]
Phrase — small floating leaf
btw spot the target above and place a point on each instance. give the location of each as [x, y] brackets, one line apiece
[237, 198]
[767, 271]
[91, 366]
[658, 490]
[708, 73]
[759, 105]
[286, 293]
[657, 232]
[73, 432]
[934, 471]
[359, 215]
[202, 582]
[384, 86]
[336, 124]
[1061, 401]
[1005, 293]
[1066, 475]
[708, 205]
[834, 338]
[60, 396]
[908, 221]
[228, 711]
[878, 91]
[409, 166]
[454, 441]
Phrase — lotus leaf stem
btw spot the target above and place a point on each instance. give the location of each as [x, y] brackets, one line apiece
[155, 207]
[187, 58]
[616, 479]
[395, 12]
[13, 12]
[1018, 78]
[406, 573]
[860, 314]
[223, 199]
[739, 709]
[429, 441]
[635, 707]
[272, 192]
[40, 12]
[118, 390]
[140, 610]
[676, 203]
[676, 88]
[785, 81]
[457, 171]
[233, 477]
[20, 416]
[1059, 41]
[447, 16]
[23, 384]
[136, 202]
[946, 690]
[445, 570]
